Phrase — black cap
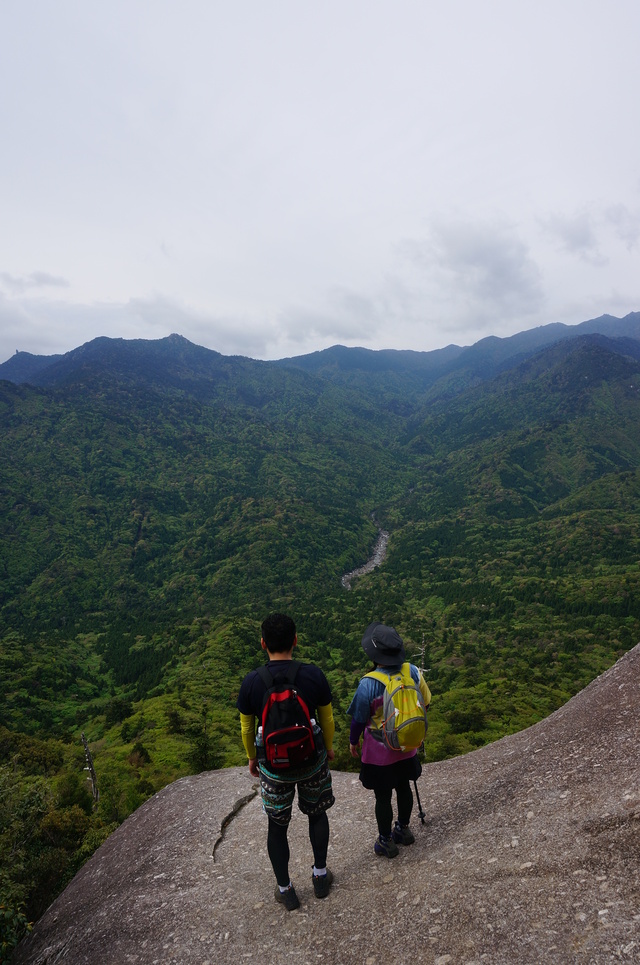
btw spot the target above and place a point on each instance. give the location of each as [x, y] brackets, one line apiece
[384, 645]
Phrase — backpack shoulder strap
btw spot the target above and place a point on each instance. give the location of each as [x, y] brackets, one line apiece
[379, 675]
[265, 676]
[289, 676]
[292, 671]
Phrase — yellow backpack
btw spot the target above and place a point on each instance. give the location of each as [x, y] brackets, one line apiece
[401, 723]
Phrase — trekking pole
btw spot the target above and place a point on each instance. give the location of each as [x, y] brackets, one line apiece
[420, 811]
[415, 783]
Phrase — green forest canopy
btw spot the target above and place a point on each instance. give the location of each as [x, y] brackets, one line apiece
[147, 527]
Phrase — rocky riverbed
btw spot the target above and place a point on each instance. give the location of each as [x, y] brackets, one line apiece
[379, 553]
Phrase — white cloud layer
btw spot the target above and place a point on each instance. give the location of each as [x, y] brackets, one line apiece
[270, 179]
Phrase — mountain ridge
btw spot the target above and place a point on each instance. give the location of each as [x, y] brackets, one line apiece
[484, 359]
[158, 499]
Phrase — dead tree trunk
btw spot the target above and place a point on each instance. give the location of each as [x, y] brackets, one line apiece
[92, 774]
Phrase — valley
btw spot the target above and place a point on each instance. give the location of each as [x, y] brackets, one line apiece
[158, 499]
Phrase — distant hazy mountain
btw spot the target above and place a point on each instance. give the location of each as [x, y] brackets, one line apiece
[24, 367]
[177, 363]
[453, 368]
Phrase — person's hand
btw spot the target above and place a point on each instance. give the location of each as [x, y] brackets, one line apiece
[331, 755]
[355, 749]
[253, 767]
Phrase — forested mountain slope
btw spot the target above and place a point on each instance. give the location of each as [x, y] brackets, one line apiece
[157, 499]
[446, 372]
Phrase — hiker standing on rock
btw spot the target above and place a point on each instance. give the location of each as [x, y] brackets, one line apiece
[392, 736]
[290, 750]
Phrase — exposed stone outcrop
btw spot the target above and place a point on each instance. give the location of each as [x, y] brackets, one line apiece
[530, 854]
[376, 559]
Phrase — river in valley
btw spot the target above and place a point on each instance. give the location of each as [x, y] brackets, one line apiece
[379, 553]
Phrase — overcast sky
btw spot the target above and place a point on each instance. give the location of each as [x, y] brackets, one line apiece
[272, 177]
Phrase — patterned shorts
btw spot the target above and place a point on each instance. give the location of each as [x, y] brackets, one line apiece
[314, 790]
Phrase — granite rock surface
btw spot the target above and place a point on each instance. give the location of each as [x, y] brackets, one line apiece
[530, 853]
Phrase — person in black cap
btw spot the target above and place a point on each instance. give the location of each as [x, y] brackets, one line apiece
[382, 769]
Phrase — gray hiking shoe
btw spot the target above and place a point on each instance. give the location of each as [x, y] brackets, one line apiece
[386, 847]
[322, 884]
[287, 898]
[402, 835]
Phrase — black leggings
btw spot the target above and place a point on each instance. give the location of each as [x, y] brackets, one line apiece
[384, 810]
[278, 845]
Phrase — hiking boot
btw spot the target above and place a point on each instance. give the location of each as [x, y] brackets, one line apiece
[288, 898]
[386, 847]
[322, 884]
[402, 835]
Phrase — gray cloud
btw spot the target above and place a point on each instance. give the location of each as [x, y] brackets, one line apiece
[46, 327]
[26, 328]
[482, 270]
[226, 334]
[37, 279]
[346, 319]
[577, 235]
[625, 224]
[13, 322]
[587, 234]
[256, 200]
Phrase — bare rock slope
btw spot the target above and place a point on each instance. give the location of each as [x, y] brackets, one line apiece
[530, 853]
